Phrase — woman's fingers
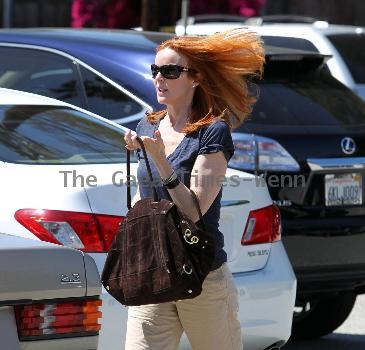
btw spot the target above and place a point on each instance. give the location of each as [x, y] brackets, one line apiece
[158, 137]
[131, 140]
[154, 146]
[134, 140]
[127, 137]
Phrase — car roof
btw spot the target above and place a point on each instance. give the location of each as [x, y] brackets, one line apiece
[85, 37]
[93, 38]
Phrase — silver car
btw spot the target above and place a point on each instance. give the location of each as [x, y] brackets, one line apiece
[47, 304]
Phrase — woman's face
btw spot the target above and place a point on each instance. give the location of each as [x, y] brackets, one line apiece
[173, 91]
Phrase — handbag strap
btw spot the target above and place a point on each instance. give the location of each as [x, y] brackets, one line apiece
[153, 188]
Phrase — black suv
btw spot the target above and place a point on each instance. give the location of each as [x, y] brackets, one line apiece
[306, 138]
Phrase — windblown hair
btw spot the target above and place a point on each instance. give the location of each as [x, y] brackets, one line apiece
[225, 62]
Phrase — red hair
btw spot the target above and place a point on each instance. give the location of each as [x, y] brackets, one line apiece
[224, 61]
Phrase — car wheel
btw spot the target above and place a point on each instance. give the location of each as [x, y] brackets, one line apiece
[321, 315]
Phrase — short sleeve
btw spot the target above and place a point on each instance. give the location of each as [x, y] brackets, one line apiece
[140, 126]
[217, 137]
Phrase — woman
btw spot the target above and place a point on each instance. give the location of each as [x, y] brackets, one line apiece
[202, 82]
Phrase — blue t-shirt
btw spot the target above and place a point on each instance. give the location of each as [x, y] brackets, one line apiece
[210, 139]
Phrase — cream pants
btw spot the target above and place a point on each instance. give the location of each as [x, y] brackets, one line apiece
[209, 320]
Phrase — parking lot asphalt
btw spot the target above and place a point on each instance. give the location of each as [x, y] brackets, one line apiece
[350, 336]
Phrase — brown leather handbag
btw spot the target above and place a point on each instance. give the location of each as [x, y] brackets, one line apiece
[158, 254]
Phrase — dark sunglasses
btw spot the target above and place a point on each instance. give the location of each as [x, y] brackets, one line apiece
[169, 71]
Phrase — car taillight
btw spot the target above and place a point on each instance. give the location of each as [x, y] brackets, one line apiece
[253, 152]
[84, 231]
[263, 226]
[61, 319]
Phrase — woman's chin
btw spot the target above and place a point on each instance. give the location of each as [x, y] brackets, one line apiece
[162, 100]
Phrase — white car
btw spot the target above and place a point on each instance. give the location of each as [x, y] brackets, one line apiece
[63, 178]
[343, 42]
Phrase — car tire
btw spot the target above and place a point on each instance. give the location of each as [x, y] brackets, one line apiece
[322, 315]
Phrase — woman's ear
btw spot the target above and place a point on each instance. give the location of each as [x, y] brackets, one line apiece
[196, 81]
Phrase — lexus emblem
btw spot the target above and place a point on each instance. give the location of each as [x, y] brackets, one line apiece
[348, 145]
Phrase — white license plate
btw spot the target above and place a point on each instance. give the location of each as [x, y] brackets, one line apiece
[343, 189]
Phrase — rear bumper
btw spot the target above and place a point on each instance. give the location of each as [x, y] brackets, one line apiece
[80, 343]
[327, 263]
[316, 281]
[267, 298]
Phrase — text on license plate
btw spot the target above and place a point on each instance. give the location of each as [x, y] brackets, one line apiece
[343, 189]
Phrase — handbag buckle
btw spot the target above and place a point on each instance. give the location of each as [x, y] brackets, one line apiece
[189, 238]
[188, 272]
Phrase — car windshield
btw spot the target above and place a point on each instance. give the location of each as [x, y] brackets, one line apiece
[32, 134]
[351, 48]
[289, 96]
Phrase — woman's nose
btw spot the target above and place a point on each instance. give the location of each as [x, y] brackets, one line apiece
[159, 76]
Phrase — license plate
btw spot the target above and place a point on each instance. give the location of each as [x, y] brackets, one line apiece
[343, 189]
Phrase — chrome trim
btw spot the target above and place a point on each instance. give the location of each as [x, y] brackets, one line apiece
[325, 164]
[233, 203]
[348, 145]
[74, 59]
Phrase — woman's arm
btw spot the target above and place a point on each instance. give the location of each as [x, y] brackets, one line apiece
[208, 171]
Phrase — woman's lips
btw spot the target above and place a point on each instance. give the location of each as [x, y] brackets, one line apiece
[161, 91]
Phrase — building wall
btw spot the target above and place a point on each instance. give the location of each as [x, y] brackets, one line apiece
[57, 13]
[40, 13]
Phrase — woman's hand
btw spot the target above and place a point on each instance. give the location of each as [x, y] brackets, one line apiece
[155, 147]
[130, 140]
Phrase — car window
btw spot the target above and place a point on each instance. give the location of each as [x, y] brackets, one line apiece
[57, 135]
[105, 99]
[351, 48]
[317, 99]
[39, 72]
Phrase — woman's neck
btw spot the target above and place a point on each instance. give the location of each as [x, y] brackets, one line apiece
[177, 117]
